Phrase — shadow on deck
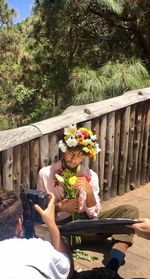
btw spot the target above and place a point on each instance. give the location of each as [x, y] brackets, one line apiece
[137, 260]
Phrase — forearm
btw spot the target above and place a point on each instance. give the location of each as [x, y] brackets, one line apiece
[90, 200]
[56, 239]
[60, 245]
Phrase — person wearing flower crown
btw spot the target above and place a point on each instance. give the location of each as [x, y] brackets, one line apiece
[84, 199]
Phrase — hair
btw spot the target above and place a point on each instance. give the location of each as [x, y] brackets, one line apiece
[10, 211]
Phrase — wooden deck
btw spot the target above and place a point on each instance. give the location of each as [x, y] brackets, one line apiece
[137, 260]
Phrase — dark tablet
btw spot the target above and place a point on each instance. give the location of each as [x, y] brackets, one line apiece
[98, 226]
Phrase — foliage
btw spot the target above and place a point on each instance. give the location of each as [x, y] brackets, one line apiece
[6, 13]
[71, 52]
[87, 85]
[108, 81]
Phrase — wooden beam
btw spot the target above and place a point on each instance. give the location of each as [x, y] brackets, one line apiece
[76, 114]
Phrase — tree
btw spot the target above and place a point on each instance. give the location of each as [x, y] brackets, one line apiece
[6, 14]
[108, 81]
[69, 52]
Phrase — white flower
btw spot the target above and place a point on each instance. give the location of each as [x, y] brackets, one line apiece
[71, 142]
[97, 149]
[93, 137]
[59, 178]
[70, 130]
[62, 146]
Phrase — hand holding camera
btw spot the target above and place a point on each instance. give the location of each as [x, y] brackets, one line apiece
[48, 214]
[29, 198]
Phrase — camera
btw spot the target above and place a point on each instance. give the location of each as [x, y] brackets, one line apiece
[29, 198]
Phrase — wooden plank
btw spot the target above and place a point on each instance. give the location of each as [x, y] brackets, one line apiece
[34, 161]
[109, 155]
[13, 137]
[123, 150]
[93, 110]
[44, 151]
[139, 167]
[7, 166]
[116, 154]
[17, 168]
[145, 147]
[148, 148]
[148, 161]
[25, 165]
[0, 170]
[136, 145]
[103, 127]
[53, 148]
[130, 150]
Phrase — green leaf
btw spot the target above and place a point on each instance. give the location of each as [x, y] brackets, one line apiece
[79, 254]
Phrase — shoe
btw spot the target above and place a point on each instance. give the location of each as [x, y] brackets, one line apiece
[97, 273]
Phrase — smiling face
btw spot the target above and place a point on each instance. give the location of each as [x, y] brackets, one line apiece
[73, 158]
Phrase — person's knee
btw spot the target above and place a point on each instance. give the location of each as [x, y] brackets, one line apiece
[133, 211]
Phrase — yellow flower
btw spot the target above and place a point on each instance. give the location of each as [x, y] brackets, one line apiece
[84, 142]
[72, 180]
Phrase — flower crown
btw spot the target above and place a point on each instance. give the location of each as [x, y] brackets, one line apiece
[82, 138]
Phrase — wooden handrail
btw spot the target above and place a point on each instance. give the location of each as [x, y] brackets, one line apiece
[74, 114]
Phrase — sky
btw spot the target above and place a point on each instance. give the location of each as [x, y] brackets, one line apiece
[23, 8]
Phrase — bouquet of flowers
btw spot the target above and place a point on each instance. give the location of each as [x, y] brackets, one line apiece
[67, 180]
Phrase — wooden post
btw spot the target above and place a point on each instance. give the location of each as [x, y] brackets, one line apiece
[25, 165]
[139, 165]
[0, 170]
[148, 161]
[123, 150]
[136, 145]
[145, 147]
[109, 155]
[148, 148]
[35, 161]
[130, 149]
[7, 163]
[44, 150]
[53, 149]
[103, 127]
[116, 154]
[17, 168]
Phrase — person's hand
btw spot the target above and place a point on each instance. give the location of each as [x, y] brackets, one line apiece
[48, 215]
[83, 184]
[70, 206]
[142, 229]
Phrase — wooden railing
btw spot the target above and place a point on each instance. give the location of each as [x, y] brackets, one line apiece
[122, 125]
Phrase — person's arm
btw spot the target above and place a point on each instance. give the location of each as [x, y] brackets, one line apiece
[142, 229]
[83, 184]
[48, 216]
[91, 203]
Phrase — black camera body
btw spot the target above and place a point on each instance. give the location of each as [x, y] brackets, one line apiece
[29, 198]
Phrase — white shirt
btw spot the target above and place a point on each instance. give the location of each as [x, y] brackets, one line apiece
[16, 254]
